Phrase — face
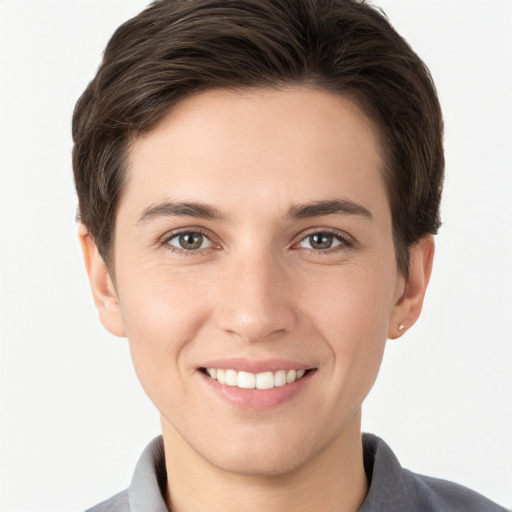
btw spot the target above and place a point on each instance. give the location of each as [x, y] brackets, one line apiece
[253, 245]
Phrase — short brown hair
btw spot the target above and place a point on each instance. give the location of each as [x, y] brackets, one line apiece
[176, 48]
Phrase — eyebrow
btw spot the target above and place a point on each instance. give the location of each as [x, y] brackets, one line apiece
[328, 207]
[299, 211]
[181, 209]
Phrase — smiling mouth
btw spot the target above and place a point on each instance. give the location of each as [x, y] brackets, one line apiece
[248, 380]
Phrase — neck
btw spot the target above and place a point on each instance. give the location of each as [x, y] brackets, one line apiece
[334, 480]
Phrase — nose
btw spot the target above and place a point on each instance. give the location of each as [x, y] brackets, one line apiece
[255, 299]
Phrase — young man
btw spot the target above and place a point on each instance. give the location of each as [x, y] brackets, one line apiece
[259, 186]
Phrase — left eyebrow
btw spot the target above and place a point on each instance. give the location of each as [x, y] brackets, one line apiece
[328, 207]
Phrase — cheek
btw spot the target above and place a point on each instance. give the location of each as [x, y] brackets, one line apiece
[163, 302]
[162, 312]
[352, 304]
[352, 315]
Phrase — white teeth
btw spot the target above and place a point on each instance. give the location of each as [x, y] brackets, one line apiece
[265, 380]
[280, 378]
[291, 376]
[231, 378]
[248, 380]
[221, 376]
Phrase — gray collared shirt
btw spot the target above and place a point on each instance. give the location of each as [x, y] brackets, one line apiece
[392, 488]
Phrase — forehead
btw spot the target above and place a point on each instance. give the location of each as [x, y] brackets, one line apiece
[232, 148]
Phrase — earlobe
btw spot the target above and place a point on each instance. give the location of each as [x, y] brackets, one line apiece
[408, 307]
[102, 287]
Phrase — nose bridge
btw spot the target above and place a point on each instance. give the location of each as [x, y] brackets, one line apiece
[254, 296]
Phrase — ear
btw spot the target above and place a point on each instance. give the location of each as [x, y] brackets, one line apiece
[408, 306]
[102, 287]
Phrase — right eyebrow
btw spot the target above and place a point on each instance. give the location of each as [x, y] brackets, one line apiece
[186, 209]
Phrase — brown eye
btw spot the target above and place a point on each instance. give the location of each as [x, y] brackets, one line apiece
[189, 241]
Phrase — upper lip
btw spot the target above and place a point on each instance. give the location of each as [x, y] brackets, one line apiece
[255, 366]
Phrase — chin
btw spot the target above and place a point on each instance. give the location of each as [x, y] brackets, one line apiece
[264, 456]
[260, 464]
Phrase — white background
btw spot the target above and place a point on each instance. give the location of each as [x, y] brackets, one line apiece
[73, 418]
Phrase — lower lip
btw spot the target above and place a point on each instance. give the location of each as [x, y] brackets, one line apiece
[257, 399]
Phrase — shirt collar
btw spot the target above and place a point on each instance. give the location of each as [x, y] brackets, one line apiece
[147, 489]
[391, 487]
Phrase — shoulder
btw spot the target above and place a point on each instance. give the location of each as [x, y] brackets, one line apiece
[118, 503]
[395, 489]
[145, 493]
[436, 494]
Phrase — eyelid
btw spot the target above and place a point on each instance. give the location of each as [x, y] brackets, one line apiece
[163, 241]
[347, 241]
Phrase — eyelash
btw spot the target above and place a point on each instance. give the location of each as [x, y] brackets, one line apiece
[164, 241]
[346, 242]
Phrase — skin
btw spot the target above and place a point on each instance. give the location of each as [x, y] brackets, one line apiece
[258, 288]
